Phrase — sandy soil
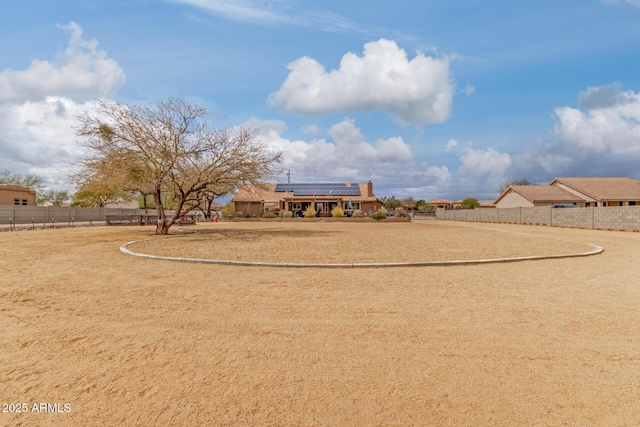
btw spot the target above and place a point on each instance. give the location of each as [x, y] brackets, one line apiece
[130, 341]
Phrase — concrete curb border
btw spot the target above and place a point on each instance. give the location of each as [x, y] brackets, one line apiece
[124, 249]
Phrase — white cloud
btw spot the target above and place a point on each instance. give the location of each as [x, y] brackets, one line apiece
[451, 144]
[468, 90]
[480, 172]
[243, 10]
[601, 138]
[39, 106]
[83, 72]
[274, 12]
[310, 129]
[416, 91]
[389, 163]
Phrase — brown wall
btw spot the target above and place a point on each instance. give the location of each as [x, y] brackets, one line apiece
[8, 196]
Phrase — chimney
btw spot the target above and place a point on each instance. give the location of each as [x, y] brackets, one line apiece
[370, 189]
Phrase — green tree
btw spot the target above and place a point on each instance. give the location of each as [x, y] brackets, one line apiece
[470, 203]
[168, 148]
[390, 203]
[409, 203]
[97, 195]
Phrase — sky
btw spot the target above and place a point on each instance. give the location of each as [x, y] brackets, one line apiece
[427, 99]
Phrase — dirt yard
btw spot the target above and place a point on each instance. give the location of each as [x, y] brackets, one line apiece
[102, 338]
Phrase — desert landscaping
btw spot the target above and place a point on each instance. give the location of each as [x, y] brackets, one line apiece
[120, 340]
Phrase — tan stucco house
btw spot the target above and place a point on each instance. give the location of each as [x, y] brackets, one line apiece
[256, 199]
[602, 191]
[441, 203]
[573, 191]
[527, 196]
[17, 196]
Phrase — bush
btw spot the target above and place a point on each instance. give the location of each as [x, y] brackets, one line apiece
[269, 215]
[357, 214]
[310, 212]
[337, 212]
[227, 214]
[285, 214]
[378, 215]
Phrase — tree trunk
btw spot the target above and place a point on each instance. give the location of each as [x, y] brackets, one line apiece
[162, 228]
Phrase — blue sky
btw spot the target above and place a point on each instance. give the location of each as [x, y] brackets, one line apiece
[427, 99]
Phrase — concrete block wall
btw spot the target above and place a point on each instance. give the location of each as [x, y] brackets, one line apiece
[626, 218]
[573, 217]
[488, 215]
[617, 218]
[509, 215]
[538, 215]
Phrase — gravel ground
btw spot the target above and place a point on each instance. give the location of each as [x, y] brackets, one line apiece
[129, 341]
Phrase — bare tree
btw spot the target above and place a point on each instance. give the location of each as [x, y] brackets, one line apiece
[169, 149]
[507, 184]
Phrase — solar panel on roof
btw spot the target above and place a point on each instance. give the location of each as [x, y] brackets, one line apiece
[320, 189]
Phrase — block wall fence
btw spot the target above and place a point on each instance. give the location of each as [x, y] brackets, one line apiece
[49, 214]
[622, 218]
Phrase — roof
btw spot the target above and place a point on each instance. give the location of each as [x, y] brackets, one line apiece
[542, 193]
[322, 189]
[260, 192]
[12, 187]
[603, 188]
[434, 201]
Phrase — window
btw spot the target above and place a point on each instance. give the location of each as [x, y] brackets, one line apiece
[297, 206]
[632, 203]
[24, 202]
[16, 201]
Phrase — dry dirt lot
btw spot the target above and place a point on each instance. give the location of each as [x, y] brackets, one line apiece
[131, 341]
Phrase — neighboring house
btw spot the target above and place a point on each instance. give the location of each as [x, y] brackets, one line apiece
[573, 191]
[487, 204]
[441, 203]
[602, 191]
[527, 196]
[256, 199]
[17, 195]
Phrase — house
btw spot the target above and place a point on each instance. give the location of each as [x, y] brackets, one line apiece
[441, 203]
[17, 195]
[573, 191]
[602, 191]
[256, 199]
[527, 196]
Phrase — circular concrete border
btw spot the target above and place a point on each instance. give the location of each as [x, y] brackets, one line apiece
[124, 248]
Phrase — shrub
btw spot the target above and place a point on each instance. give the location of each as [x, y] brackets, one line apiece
[310, 212]
[269, 215]
[285, 214]
[357, 214]
[227, 214]
[378, 215]
[337, 212]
